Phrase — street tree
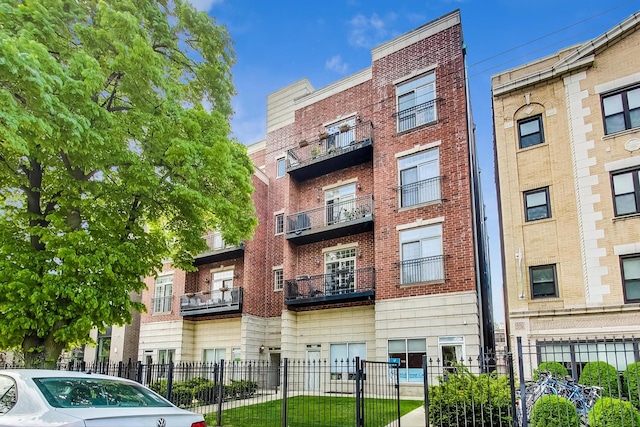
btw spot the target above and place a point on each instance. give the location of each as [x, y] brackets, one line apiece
[115, 154]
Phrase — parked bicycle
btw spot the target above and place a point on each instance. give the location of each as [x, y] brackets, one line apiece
[582, 397]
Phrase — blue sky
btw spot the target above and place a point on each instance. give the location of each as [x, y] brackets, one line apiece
[280, 42]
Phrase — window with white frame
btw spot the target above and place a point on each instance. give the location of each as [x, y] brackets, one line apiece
[163, 294]
[279, 223]
[407, 353]
[631, 277]
[451, 351]
[214, 355]
[278, 279]
[280, 167]
[166, 356]
[340, 266]
[621, 110]
[419, 178]
[340, 203]
[342, 359]
[626, 192]
[416, 102]
[421, 251]
[221, 285]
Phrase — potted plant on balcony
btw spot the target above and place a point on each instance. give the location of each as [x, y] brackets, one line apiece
[303, 143]
[315, 152]
[323, 135]
[344, 128]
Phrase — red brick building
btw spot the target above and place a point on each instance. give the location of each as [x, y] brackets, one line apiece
[371, 240]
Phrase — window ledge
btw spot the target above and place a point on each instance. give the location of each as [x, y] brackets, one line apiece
[410, 285]
[404, 132]
[539, 221]
[621, 133]
[532, 147]
[625, 217]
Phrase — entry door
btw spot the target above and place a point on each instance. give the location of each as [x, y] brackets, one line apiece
[274, 370]
[312, 377]
[340, 203]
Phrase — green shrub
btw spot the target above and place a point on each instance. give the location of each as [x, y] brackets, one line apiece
[556, 369]
[610, 412]
[467, 399]
[553, 411]
[603, 375]
[189, 393]
[631, 377]
[240, 389]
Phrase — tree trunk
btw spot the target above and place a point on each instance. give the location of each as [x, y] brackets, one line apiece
[41, 353]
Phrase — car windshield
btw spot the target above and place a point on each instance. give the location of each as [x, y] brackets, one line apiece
[96, 392]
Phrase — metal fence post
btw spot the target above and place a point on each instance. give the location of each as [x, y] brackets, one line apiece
[220, 392]
[512, 386]
[425, 380]
[139, 372]
[359, 417]
[285, 387]
[523, 390]
[170, 381]
[120, 364]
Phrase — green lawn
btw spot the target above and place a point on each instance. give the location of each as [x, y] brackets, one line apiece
[314, 411]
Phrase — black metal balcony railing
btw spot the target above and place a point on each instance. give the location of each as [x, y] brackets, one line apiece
[420, 192]
[218, 250]
[162, 304]
[218, 301]
[335, 287]
[342, 212]
[428, 269]
[350, 146]
[416, 116]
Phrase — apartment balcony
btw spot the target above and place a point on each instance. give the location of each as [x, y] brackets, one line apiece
[337, 287]
[343, 218]
[215, 302]
[421, 114]
[218, 251]
[422, 270]
[351, 146]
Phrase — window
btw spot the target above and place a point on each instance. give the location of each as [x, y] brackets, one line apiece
[166, 356]
[631, 278]
[340, 135]
[280, 167]
[7, 394]
[222, 282]
[536, 204]
[419, 178]
[543, 281]
[104, 346]
[416, 102]
[340, 203]
[421, 251]
[278, 280]
[530, 131]
[408, 354]
[279, 223]
[342, 359]
[621, 110]
[626, 192]
[163, 294]
[451, 351]
[340, 269]
[211, 355]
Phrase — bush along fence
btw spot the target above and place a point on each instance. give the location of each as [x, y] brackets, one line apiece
[292, 393]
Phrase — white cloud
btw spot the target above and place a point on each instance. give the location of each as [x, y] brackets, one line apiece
[369, 31]
[336, 64]
[204, 5]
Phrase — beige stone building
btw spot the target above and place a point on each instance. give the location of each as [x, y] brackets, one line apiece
[567, 151]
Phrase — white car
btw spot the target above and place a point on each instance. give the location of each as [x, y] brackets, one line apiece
[39, 398]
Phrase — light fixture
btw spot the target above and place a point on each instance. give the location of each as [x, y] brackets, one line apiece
[318, 261]
[206, 280]
[262, 348]
[359, 254]
[359, 187]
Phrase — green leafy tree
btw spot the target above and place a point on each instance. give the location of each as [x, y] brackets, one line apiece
[114, 154]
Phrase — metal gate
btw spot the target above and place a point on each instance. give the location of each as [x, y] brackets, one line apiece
[377, 391]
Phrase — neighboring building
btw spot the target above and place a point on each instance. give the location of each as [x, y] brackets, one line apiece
[567, 154]
[371, 240]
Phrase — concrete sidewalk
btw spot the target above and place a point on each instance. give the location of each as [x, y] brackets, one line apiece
[414, 418]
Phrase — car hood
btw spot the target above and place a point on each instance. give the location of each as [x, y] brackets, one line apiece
[133, 417]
